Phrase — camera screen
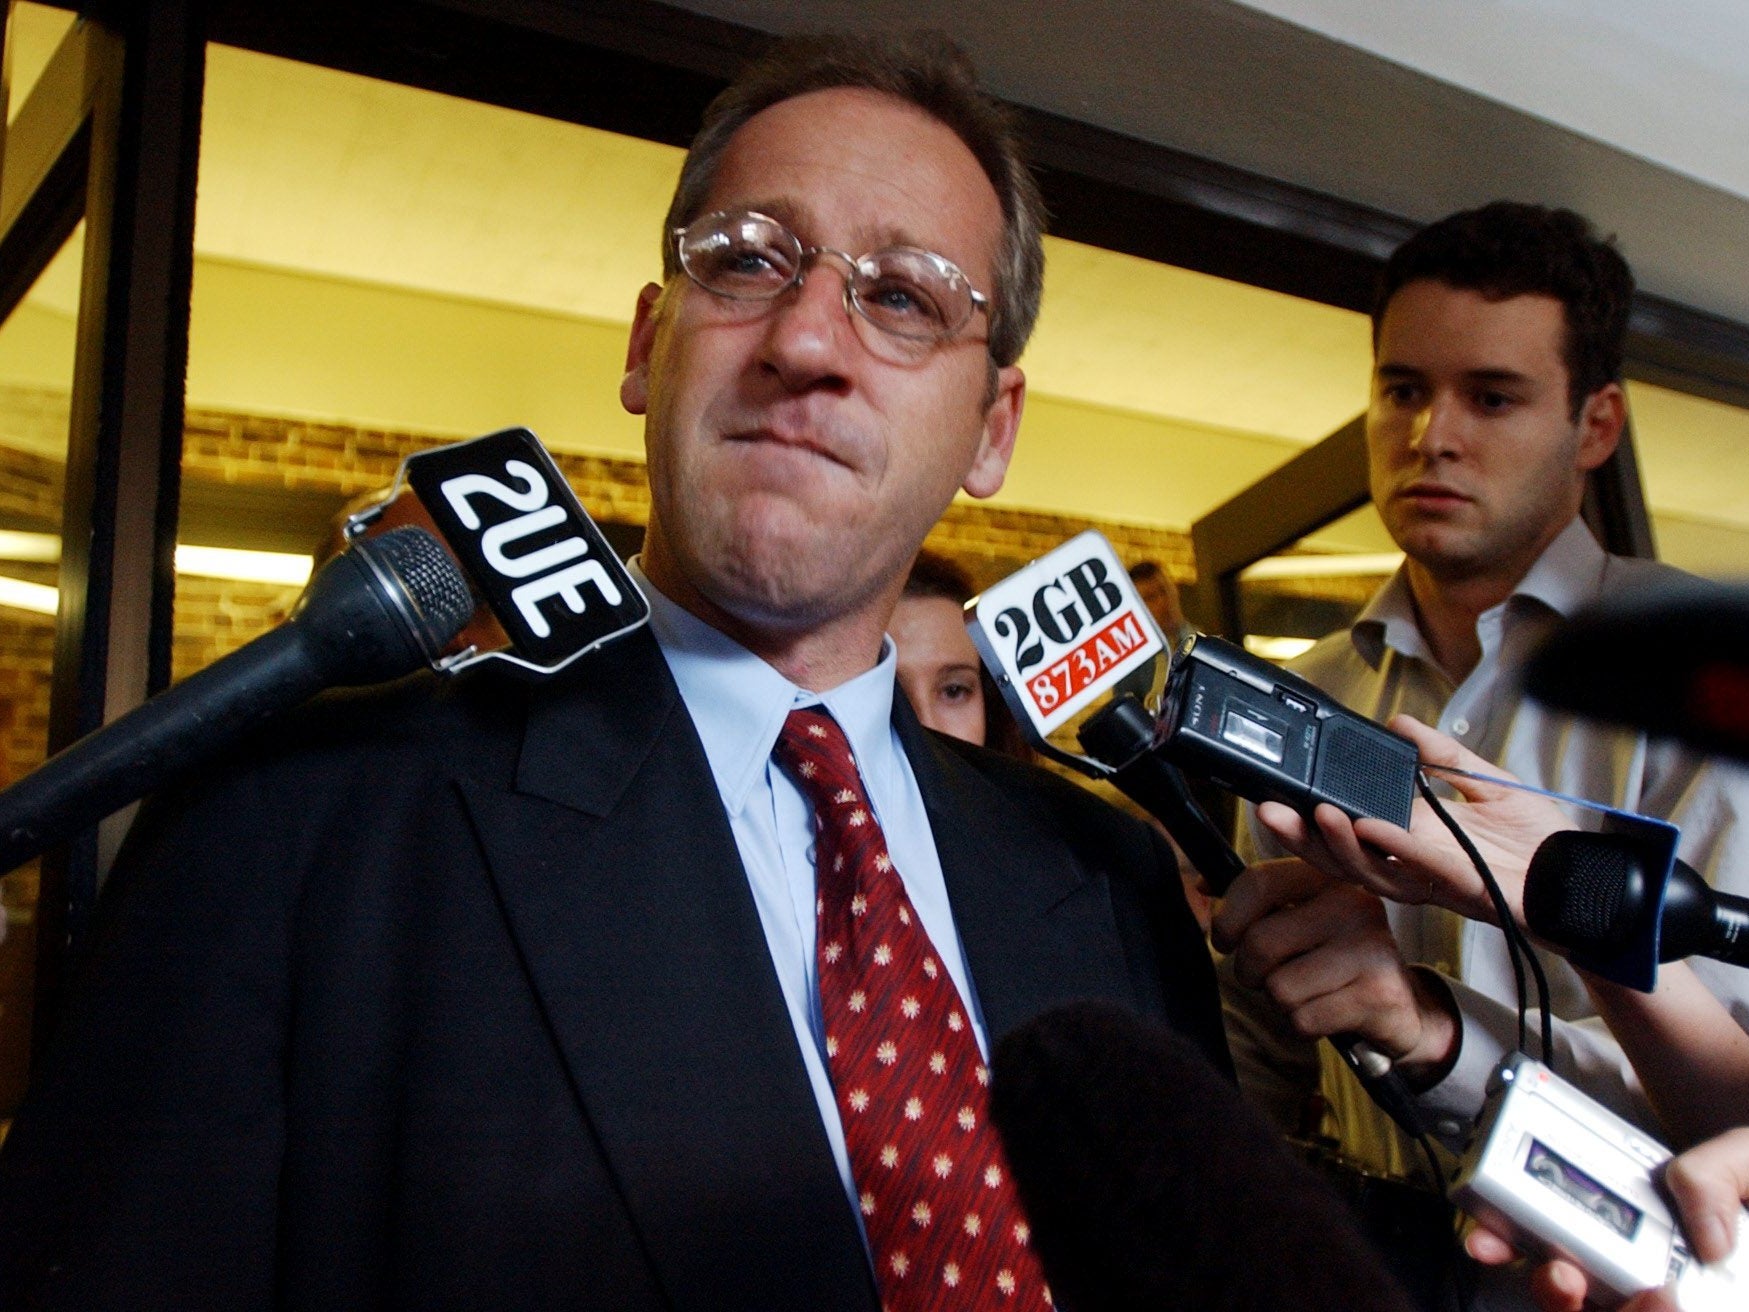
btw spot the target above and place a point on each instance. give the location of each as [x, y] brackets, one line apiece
[1554, 1171]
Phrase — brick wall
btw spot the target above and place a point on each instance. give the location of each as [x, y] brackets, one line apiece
[216, 616]
[989, 540]
[27, 649]
[31, 487]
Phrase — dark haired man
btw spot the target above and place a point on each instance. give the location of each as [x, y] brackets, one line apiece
[667, 982]
[1498, 337]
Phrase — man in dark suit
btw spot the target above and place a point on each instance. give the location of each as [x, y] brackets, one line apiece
[498, 994]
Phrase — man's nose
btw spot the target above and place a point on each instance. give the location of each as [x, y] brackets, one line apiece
[1436, 429]
[810, 335]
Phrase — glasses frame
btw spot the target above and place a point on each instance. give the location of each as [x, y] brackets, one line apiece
[853, 267]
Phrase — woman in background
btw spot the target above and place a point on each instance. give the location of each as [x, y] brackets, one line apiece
[939, 669]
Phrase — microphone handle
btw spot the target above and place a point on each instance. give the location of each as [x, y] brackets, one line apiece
[1731, 930]
[1155, 785]
[129, 757]
[1699, 921]
[359, 621]
[1379, 1077]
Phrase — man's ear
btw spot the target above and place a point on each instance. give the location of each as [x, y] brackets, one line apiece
[996, 443]
[634, 388]
[1601, 420]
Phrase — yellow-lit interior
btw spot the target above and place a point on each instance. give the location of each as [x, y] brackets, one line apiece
[373, 254]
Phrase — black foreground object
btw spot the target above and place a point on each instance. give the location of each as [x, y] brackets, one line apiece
[1673, 660]
[1151, 1185]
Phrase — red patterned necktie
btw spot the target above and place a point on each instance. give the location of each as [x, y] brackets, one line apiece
[938, 1203]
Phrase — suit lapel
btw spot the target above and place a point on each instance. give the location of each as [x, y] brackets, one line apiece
[626, 896]
[1037, 926]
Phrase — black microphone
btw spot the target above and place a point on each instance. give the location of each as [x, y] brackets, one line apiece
[1672, 659]
[1069, 643]
[1593, 894]
[381, 609]
[1149, 1183]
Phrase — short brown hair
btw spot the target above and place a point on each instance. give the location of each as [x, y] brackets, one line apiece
[935, 575]
[929, 71]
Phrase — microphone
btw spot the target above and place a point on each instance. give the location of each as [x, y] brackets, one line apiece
[1672, 660]
[1150, 1183]
[1596, 896]
[381, 609]
[550, 590]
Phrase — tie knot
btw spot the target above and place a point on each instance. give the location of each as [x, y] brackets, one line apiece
[817, 754]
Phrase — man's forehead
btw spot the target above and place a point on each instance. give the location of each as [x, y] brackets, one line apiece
[860, 169]
[872, 232]
[1431, 324]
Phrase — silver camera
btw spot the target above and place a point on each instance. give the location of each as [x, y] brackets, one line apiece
[1561, 1176]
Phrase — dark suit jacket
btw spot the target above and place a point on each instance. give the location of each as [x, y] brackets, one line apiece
[456, 997]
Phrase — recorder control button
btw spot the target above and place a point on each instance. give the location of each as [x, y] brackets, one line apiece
[1460, 727]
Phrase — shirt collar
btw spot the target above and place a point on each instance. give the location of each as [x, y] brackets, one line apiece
[1563, 578]
[738, 702]
[1568, 573]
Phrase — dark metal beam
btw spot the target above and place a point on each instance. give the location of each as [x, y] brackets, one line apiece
[125, 443]
[1322, 483]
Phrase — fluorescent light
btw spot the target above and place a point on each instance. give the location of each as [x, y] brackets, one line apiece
[281, 567]
[38, 548]
[245, 566]
[38, 597]
[208, 562]
[1355, 565]
[1276, 649]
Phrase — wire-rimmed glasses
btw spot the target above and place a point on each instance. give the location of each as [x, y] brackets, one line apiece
[914, 294]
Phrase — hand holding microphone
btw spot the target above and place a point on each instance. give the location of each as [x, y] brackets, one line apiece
[1324, 952]
[1079, 662]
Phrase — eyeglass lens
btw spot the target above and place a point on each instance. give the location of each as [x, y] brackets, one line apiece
[906, 292]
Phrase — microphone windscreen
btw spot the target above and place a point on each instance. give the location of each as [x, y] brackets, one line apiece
[1583, 890]
[1150, 1184]
[1670, 658]
[434, 582]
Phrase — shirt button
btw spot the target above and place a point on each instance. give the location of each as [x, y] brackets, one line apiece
[1460, 727]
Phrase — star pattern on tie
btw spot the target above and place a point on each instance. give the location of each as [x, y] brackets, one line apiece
[944, 1222]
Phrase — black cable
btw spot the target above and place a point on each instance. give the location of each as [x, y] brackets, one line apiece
[1518, 947]
[1495, 895]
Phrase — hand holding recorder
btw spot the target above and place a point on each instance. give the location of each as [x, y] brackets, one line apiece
[1094, 685]
[1323, 951]
[1708, 1185]
[1422, 863]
